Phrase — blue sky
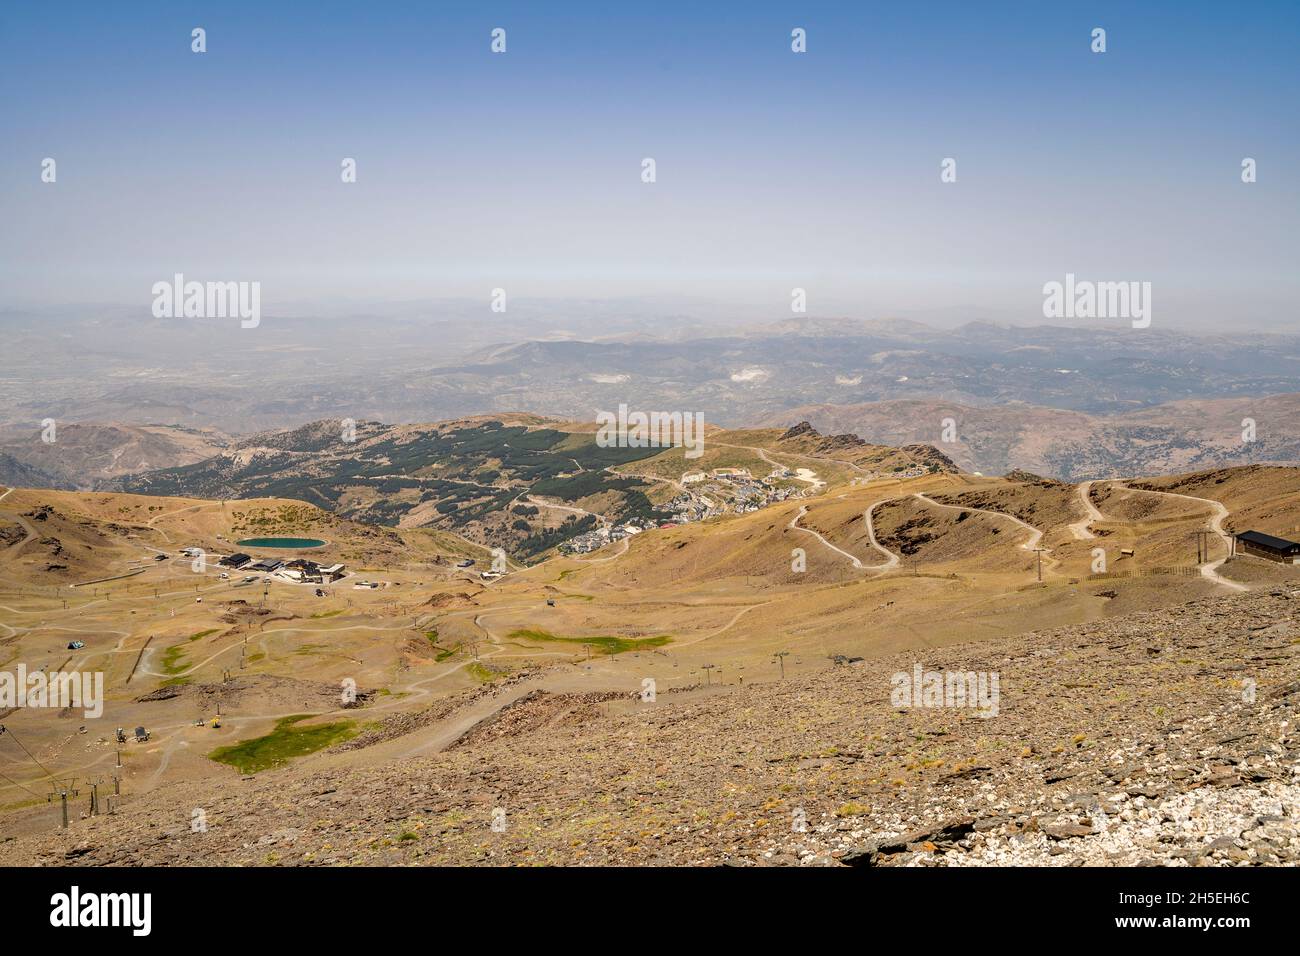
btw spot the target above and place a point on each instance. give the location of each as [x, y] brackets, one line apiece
[774, 169]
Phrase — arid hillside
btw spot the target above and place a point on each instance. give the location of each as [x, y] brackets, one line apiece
[850, 566]
[1165, 738]
[1074, 445]
[84, 456]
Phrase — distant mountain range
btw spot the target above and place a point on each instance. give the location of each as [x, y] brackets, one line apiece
[750, 377]
[288, 372]
[1059, 443]
[1067, 402]
[83, 456]
[1162, 439]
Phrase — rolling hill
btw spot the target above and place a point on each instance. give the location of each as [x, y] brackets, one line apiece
[1070, 445]
[83, 456]
[520, 482]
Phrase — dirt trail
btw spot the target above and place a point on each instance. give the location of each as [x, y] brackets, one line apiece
[153, 522]
[726, 627]
[466, 719]
[633, 474]
[1081, 529]
[1035, 534]
[444, 734]
[533, 500]
[794, 523]
[28, 529]
[892, 560]
[1210, 569]
[626, 543]
[763, 454]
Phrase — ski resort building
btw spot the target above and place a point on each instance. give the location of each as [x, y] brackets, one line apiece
[1269, 547]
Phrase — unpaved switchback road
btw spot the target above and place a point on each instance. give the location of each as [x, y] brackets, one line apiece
[1081, 529]
[891, 560]
[1219, 513]
[1035, 534]
[794, 523]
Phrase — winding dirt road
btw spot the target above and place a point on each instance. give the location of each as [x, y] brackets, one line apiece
[1219, 513]
[1081, 529]
[794, 523]
[891, 560]
[1035, 534]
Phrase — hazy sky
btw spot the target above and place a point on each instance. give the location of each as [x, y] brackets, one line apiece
[775, 169]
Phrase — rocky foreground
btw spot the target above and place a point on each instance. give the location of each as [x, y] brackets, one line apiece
[1166, 738]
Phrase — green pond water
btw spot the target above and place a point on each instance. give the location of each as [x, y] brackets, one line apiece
[280, 543]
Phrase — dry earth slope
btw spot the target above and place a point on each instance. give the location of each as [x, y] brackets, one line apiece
[1167, 737]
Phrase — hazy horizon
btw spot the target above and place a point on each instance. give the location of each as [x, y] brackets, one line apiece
[775, 170]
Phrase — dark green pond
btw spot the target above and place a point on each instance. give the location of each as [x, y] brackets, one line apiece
[280, 543]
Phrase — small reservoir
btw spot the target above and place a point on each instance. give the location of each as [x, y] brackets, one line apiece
[292, 544]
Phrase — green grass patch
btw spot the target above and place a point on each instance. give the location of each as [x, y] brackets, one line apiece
[443, 652]
[320, 614]
[482, 674]
[211, 630]
[604, 644]
[283, 743]
[171, 659]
